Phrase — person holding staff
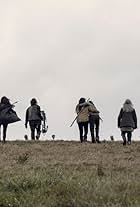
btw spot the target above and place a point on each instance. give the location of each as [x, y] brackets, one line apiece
[82, 110]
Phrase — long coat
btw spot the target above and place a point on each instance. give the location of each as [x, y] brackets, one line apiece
[127, 119]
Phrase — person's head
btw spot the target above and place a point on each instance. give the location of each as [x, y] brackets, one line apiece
[33, 101]
[5, 100]
[128, 106]
[128, 101]
[82, 100]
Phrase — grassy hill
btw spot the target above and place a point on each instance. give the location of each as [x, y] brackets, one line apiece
[69, 174]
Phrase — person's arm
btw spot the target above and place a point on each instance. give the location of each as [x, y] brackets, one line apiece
[120, 117]
[77, 109]
[135, 118]
[39, 113]
[93, 109]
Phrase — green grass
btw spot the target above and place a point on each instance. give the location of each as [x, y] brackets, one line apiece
[69, 174]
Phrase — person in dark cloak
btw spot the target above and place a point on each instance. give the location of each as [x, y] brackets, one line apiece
[4, 104]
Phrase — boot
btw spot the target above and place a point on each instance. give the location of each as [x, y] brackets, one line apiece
[97, 140]
[124, 141]
[85, 138]
[93, 140]
[38, 136]
[81, 139]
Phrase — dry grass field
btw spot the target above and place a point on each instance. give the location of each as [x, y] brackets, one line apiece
[69, 174]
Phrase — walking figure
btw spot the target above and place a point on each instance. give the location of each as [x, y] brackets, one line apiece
[127, 121]
[82, 110]
[34, 118]
[7, 115]
[94, 121]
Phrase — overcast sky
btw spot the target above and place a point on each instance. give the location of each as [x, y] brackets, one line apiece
[61, 50]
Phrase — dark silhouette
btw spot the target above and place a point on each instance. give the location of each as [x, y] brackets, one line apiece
[127, 121]
[26, 137]
[94, 121]
[4, 104]
[112, 138]
[53, 136]
[33, 116]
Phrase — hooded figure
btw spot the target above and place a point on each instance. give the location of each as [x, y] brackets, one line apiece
[4, 105]
[127, 121]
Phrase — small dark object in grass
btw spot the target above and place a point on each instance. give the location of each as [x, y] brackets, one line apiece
[26, 137]
[53, 136]
[112, 138]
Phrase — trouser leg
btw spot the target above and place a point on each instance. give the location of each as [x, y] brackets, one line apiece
[80, 125]
[4, 131]
[32, 127]
[124, 138]
[129, 136]
[97, 123]
[85, 130]
[92, 130]
[38, 129]
[33, 134]
[0, 132]
[92, 127]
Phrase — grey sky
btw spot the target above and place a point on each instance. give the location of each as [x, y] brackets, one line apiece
[61, 50]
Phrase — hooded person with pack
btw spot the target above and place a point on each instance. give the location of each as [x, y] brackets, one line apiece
[127, 121]
[34, 118]
[7, 115]
[82, 110]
